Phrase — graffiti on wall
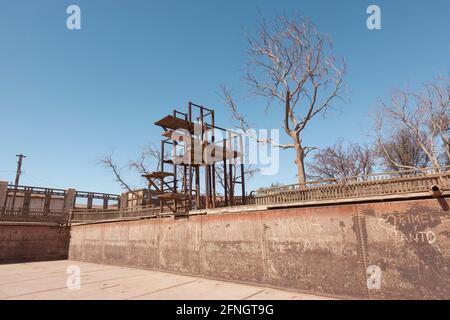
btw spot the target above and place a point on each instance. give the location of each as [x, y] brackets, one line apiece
[417, 231]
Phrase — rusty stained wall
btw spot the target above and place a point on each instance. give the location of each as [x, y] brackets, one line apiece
[26, 243]
[323, 250]
[411, 245]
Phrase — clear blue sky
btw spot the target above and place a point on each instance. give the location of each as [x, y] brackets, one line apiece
[68, 97]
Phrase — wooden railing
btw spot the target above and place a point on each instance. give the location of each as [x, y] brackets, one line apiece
[356, 187]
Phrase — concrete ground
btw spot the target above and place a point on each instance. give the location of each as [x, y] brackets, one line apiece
[48, 280]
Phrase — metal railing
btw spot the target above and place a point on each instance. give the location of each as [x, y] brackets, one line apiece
[391, 183]
[82, 215]
[34, 215]
[237, 201]
[402, 182]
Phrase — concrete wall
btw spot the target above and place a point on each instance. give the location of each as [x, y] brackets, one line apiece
[325, 250]
[32, 242]
[36, 202]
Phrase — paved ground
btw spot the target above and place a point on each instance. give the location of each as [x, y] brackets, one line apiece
[47, 280]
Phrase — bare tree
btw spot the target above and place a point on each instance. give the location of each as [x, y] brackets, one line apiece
[424, 114]
[339, 161]
[291, 63]
[435, 100]
[108, 162]
[149, 156]
[249, 172]
[401, 150]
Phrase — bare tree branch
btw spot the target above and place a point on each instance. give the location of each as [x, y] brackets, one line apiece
[108, 163]
[291, 63]
[242, 123]
[422, 118]
[338, 161]
[249, 172]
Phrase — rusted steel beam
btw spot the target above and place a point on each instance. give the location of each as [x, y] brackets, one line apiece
[225, 176]
[197, 187]
[231, 184]
[207, 186]
[243, 184]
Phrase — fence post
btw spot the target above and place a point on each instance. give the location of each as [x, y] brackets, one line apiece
[3, 194]
[69, 199]
[123, 201]
[69, 204]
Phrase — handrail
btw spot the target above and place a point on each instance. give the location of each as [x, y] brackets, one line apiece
[34, 215]
[350, 188]
[405, 174]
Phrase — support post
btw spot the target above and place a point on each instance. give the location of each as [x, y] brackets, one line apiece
[225, 176]
[3, 195]
[213, 165]
[244, 200]
[105, 202]
[241, 150]
[123, 204]
[69, 199]
[207, 186]
[189, 201]
[175, 181]
[27, 199]
[213, 179]
[90, 201]
[197, 187]
[231, 185]
[47, 201]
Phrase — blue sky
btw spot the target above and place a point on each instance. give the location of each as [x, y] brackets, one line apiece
[68, 97]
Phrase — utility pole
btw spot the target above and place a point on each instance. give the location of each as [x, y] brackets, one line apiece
[18, 174]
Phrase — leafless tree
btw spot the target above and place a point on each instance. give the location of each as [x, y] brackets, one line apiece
[249, 172]
[425, 114]
[108, 162]
[339, 161]
[148, 157]
[291, 63]
[435, 100]
[272, 185]
[401, 150]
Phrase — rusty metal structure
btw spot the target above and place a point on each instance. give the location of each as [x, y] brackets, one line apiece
[197, 146]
